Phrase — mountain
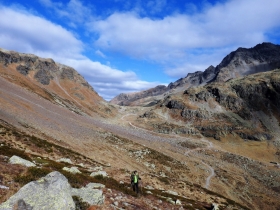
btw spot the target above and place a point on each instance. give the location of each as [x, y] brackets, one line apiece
[246, 107]
[263, 57]
[55, 82]
[194, 148]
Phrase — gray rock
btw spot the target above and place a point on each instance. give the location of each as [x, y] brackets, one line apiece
[215, 206]
[18, 160]
[178, 202]
[73, 170]
[65, 160]
[23, 69]
[171, 192]
[170, 200]
[148, 187]
[96, 186]
[89, 194]
[4, 187]
[103, 173]
[98, 168]
[50, 192]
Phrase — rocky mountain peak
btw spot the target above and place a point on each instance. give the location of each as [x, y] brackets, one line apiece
[241, 62]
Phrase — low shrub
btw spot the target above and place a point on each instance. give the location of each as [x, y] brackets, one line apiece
[32, 174]
[79, 204]
[9, 151]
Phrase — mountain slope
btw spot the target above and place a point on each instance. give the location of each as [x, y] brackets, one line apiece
[263, 57]
[58, 83]
[247, 107]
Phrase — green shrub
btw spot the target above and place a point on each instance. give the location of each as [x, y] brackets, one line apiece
[79, 204]
[9, 151]
[32, 174]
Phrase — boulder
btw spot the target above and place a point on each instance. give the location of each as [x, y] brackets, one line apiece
[89, 194]
[171, 192]
[95, 185]
[178, 202]
[18, 160]
[102, 173]
[50, 192]
[72, 170]
[65, 160]
[148, 187]
[215, 206]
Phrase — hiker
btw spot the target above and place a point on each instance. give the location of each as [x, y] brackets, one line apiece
[132, 178]
[136, 179]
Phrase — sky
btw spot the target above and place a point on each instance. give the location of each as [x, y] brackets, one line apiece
[122, 46]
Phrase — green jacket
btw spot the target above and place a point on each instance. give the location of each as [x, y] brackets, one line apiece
[136, 179]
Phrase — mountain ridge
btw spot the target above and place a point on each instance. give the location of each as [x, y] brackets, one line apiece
[56, 82]
[241, 62]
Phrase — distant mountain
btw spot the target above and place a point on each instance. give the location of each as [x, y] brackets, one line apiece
[246, 107]
[60, 84]
[263, 57]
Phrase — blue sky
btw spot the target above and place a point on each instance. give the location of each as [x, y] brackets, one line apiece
[127, 46]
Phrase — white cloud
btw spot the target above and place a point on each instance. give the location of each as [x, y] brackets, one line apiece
[32, 34]
[170, 41]
[108, 81]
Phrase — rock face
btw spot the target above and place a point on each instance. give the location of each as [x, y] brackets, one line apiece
[17, 160]
[261, 58]
[50, 192]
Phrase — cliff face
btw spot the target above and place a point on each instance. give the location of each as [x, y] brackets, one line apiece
[261, 58]
[58, 83]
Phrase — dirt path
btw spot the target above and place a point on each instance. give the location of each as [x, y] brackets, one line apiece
[58, 83]
[187, 153]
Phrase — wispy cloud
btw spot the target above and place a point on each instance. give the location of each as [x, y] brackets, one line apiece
[99, 53]
[75, 11]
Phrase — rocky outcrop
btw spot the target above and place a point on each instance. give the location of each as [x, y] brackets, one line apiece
[195, 79]
[52, 192]
[18, 160]
[263, 57]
